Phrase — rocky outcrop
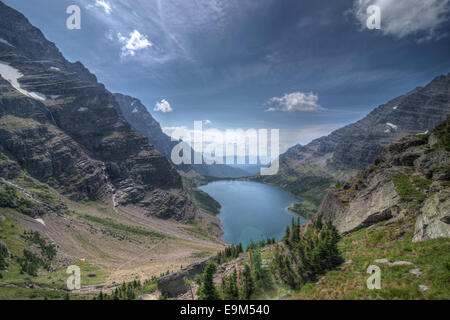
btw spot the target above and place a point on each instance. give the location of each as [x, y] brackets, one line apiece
[377, 201]
[65, 129]
[434, 221]
[333, 205]
[409, 176]
[174, 284]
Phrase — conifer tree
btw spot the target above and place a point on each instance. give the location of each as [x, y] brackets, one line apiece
[207, 290]
[230, 287]
[248, 284]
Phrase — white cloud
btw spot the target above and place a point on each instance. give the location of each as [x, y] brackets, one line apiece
[402, 18]
[163, 106]
[207, 122]
[296, 101]
[104, 5]
[136, 41]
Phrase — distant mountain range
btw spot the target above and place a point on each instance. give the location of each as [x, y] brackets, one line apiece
[142, 121]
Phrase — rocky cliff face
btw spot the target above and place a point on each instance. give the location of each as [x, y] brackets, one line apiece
[63, 127]
[142, 121]
[355, 146]
[410, 176]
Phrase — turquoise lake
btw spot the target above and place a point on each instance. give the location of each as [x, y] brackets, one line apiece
[251, 210]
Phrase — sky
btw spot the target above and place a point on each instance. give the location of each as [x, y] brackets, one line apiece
[303, 67]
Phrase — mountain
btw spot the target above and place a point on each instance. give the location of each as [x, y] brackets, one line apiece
[142, 121]
[62, 126]
[410, 176]
[78, 185]
[307, 171]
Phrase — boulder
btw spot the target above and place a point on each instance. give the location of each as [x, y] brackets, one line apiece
[434, 219]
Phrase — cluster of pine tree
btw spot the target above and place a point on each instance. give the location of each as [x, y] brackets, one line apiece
[241, 284]
[31, 262]
[305, 256]
[260, 244]
[48, 251]
[10, 198]
[3, 256]
[162, 274]
[230, 253]
[129, 291]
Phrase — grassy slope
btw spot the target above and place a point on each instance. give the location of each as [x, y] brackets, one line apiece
[47, 284]
[392, 242]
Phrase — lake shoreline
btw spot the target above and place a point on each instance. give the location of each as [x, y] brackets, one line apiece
[298, 214]
[252, 211]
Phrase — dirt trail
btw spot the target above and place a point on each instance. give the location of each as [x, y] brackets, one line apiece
[24, 192]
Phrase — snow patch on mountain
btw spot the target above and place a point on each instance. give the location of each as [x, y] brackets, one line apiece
[12, 75]
[6, 42]
[393, 126]
[41, 221]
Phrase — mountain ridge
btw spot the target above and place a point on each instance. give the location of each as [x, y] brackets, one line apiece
[322, 162]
